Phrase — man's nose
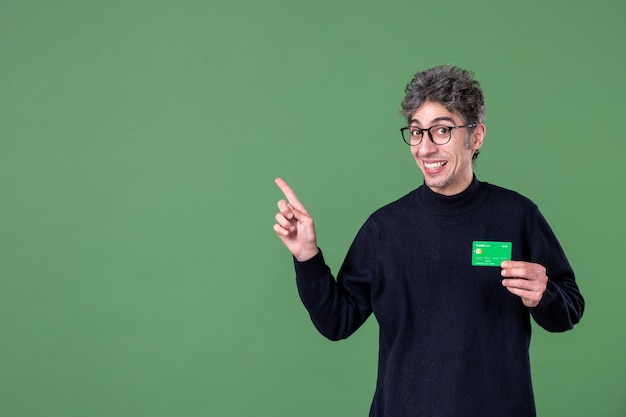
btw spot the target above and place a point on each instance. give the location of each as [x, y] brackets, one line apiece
[427, 146]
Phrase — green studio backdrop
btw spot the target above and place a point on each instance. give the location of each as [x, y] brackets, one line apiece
[139, 273]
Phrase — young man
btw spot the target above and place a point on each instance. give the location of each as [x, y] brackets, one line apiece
[452, 271]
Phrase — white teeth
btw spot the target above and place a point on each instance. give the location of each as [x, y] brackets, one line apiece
[434, 164]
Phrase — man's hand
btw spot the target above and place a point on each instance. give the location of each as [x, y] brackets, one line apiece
[294, 226]
[526, 280]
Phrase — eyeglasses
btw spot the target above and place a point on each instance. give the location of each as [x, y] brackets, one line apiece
[439, 134]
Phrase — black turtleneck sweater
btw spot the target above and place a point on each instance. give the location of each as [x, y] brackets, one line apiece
[453, 341]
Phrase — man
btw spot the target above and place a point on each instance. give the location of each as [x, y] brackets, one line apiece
[454, 329]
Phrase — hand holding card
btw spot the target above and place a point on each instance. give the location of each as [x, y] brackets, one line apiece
[526, 280]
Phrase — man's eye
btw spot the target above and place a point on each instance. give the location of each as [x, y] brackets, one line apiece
[416, 132]
[443, 130]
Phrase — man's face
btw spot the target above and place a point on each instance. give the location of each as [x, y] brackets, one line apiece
[447, 168]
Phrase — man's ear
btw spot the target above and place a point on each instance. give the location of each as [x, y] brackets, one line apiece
[478, 136]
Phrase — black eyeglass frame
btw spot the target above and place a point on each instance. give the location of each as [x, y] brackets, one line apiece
[430, 136]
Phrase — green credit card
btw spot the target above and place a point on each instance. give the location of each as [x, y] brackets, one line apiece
[490, 253]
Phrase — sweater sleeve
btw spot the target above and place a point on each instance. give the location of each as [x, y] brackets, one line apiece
[339, 307]
[562, 304]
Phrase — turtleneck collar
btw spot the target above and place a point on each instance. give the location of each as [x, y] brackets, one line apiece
[443, 205]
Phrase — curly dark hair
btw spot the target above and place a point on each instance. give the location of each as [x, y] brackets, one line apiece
[451, 86]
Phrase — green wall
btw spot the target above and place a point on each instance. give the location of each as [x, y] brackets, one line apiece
[139, 273]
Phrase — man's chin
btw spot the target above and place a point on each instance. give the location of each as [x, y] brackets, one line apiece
[438, 183]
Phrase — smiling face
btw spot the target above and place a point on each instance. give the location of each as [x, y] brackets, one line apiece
[447, 168]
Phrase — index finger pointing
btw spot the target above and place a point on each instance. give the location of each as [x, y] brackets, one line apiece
[289, 193]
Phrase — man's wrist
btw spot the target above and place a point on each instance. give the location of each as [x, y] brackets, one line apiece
[307, 255]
